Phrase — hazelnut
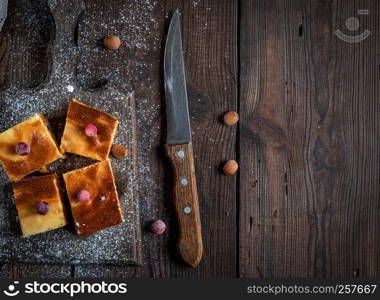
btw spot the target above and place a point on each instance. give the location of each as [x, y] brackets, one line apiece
[119, 151]
[158, 227]
[112, 42]
[230, 167]
[231, 118]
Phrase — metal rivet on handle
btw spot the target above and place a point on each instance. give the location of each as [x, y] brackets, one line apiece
[184, 181]
[181, 154]
[187, 210]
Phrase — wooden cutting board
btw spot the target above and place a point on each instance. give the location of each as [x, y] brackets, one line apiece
[120, 244]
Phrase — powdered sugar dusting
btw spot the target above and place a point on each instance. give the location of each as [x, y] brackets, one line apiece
[134, 23]
[116, 244]
[70, 88]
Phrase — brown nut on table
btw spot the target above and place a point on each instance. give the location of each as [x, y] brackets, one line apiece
[230, 167]
[119, 151]
[112, 42]
[231, 118]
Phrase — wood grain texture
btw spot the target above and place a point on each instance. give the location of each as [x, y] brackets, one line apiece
[309, 141]
[210, 44]
[209, 33]
[308, 136]
[185, 198]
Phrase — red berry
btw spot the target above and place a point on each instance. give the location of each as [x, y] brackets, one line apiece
[83, 196]
[91, 130]
[43, 208]
[22, 148]
[158, 227]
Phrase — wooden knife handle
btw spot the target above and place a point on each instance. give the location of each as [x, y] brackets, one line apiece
[186, 203]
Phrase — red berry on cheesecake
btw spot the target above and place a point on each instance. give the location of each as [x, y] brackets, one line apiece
[83, 196]
[43, 208]
[91, 130]
[22, 148]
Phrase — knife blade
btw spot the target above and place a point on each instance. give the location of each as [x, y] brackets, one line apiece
[3, 12]
[179, 148]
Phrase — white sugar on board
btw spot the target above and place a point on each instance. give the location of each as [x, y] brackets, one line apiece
[135, 24]
[196, 2]
[138, 25]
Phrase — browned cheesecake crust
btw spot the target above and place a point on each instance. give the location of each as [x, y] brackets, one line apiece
[28, 193]
[74, 139]
[103, 209]
[43, 149]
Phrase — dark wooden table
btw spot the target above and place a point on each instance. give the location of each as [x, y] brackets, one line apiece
[305, 202]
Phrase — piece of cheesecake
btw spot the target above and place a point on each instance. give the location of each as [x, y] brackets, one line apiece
[93, 198]
[39, 204]
[88, 131]
[27, 147]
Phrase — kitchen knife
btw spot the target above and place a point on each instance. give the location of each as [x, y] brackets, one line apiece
[3, 12]
[179, 148]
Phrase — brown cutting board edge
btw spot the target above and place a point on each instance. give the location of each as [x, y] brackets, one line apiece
[120, 244]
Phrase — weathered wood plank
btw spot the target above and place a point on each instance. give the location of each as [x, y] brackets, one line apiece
[210, 40]
[355, 210]
[309, 141]
[210, 43]
[308, 137]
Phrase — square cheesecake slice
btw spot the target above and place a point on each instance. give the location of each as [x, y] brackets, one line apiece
[88, 131]
[39, 204]
[27, 147]
[93, 198]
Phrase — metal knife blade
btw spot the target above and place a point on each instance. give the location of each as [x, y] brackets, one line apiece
[3, 12]
[177, 110]
[179, 149]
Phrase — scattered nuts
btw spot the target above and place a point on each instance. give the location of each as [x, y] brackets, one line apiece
[231, 118]
[112, 42]
[230, 167]
[158, 227]
[119, 151]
